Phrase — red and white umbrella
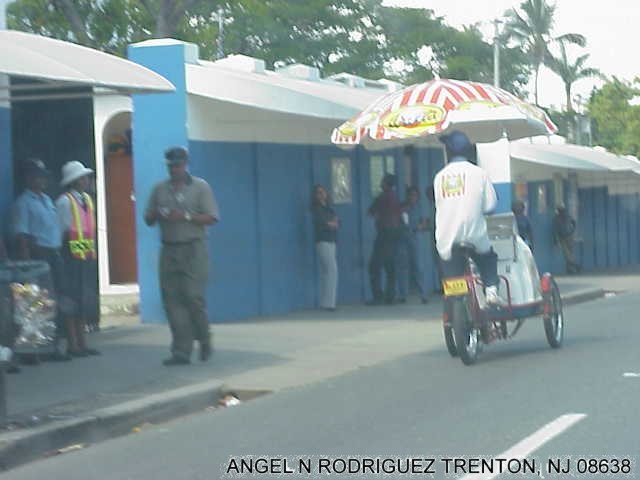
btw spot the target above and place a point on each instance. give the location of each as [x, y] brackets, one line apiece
[420, 113]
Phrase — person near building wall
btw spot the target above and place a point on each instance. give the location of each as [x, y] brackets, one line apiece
[325, 225]
[38, 235]
[76, 214]
[564, 228]
[524, 225]
[183, 206]
[409, 271]
[386, 211]
[435, 256]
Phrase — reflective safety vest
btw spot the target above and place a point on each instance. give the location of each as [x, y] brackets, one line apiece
[83, 229]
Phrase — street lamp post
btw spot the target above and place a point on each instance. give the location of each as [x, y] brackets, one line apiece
[220, 40]
[496, 54]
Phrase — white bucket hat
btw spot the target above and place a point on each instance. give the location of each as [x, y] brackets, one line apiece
[72, 171]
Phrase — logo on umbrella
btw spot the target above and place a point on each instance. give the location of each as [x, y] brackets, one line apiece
[413, 120]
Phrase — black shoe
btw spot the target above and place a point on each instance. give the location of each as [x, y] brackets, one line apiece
[78, 353]
[424, 300]
[171, 361]
[400, 300]
[390, 301]
[13, 369]
[205, 352]
[29, 359]
[92, 352]
[60, 357]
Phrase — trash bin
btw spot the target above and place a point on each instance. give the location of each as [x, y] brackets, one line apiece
[7, 327]
[7, 335]
[33, 306]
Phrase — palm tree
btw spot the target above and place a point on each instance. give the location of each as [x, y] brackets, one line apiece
[533, 30]
[571, 72]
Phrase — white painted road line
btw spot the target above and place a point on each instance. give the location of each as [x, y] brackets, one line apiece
[533, 442]
[631, 375]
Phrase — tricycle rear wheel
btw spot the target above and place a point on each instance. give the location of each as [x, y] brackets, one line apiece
[450, 341]
[467, 336]
[554, 320]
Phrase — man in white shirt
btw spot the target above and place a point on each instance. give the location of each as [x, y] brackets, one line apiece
[463, 195]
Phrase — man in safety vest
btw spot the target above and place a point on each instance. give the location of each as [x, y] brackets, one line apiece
[76, 213]
[463, 195]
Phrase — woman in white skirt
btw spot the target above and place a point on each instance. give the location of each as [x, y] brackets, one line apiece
[325, 225]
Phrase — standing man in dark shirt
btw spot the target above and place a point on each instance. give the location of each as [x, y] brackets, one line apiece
[524, 225]
[387, 212]
[183, 206]
[564, 229]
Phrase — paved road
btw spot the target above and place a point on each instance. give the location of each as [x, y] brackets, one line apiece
[522, 399]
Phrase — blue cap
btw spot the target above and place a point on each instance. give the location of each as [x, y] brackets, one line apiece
[457, 142]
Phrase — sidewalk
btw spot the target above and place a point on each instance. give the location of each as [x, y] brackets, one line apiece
[127, 385]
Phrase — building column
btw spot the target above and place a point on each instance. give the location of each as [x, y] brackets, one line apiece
[159, 121]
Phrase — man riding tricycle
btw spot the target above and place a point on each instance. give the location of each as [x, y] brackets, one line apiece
[490, 277]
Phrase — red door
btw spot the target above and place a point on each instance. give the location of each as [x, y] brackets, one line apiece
[121, 227]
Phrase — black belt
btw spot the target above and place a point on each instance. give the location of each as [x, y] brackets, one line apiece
[186, 242]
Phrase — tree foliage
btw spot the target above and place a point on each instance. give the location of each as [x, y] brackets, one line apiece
[570, 72]
[362, 37]
[616, 117]
[532, 27]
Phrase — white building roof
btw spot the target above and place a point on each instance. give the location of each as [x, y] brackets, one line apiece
[295, 89]
[572, 157]
[33, 56]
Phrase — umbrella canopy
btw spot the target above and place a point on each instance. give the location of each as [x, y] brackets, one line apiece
[420, 113]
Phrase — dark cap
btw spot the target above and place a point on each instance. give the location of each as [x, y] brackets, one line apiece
[35, 167]
[389, 179]
[457, 142]
[176, 155]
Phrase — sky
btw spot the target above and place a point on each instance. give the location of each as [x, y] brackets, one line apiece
[611, 29]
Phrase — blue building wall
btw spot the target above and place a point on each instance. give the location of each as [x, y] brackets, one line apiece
[263, 251]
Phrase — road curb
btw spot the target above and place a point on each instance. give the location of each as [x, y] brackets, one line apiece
[582, 296]
[22, 446]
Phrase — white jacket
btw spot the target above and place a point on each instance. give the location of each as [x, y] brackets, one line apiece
[463, 195]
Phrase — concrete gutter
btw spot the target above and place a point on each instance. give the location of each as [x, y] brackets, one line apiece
[19, 447]
[581, 296]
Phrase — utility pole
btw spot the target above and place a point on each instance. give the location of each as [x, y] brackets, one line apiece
[3, 14]
[496, 54]
[220, 42]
